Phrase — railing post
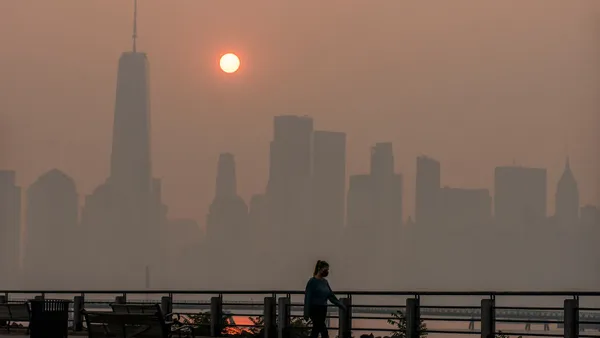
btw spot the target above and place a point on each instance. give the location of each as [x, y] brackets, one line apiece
[78, 305]
[270, 318]
[120, 300]
[3, 300]
[571, 318]
[166, 305]
[345, 318]
[413, 318]
[283, 317]
[488, 318]
[216, 316]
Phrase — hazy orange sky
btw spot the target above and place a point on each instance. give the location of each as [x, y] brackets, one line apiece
[474, 84]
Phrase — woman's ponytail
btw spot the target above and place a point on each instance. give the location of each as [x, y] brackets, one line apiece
[317, 268]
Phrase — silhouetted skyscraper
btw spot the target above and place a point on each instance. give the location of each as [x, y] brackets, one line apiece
[520, 195]
[329, 184]
[226, 222]
[10, 228]
[590, 216]
[427, 191]
[360, 204]
[228, 214]
[290, 162]
[361, 234]
[386, 190]
[127, 211]
[52, 216]
[289, 187]
[258, 217]
[567, 198]
[131, 167]
[226, 177]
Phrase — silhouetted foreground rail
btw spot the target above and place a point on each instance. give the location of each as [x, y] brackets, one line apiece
[278, 309]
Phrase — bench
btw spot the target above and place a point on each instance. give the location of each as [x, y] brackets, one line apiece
[15, 312]
[139, 325]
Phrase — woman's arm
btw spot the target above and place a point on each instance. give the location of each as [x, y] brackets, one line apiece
[307, 298]
[333, 299]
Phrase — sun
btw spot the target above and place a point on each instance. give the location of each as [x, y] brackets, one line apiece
[229, 63]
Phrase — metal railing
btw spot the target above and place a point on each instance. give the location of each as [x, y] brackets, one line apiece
[278, 312]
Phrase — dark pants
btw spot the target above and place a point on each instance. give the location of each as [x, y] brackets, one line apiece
[318, 315]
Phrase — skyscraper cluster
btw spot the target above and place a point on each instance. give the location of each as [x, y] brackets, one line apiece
[121, 236]
[306, 211]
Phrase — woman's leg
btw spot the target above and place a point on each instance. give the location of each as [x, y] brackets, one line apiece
[324, 331]
[318, 317]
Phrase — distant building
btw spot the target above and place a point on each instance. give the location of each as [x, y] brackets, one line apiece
[258, 214]
[590, 216]
[397, 200]
[289, 185]
[10, 228]
[374, 203]
[51, 223]
[227, 219]
[360, 203]
[374, 218]
[360, 236]
[386, 190]
[465, 207]
[131, 183]
[126, 213]
[567, 198]
[520, 196]
[427, 191]
[328, 182]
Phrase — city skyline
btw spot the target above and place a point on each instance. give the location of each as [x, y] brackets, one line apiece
[556, 174]
[550, 186]
[401, 171]
[478, 120]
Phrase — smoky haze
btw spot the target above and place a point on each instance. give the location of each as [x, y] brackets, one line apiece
[439, 145]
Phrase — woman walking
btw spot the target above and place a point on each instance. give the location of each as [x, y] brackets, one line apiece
[317, 293]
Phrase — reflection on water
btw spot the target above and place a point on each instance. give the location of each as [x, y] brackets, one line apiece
[461, 328]
[380, 327]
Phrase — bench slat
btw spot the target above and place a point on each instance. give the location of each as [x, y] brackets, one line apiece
[136, 308]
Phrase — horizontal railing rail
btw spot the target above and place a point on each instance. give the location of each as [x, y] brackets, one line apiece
[275, 315]
[298, 292]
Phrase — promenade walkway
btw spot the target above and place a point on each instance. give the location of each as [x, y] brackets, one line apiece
[446, 314]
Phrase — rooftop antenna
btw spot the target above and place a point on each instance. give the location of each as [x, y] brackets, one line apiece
[567, 164]
[134, 24]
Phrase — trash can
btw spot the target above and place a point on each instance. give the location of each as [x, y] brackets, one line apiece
[49, 318]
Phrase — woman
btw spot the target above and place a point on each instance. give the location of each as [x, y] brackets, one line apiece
[315, 300]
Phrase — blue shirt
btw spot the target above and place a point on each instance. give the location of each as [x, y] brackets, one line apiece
[317, 293]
